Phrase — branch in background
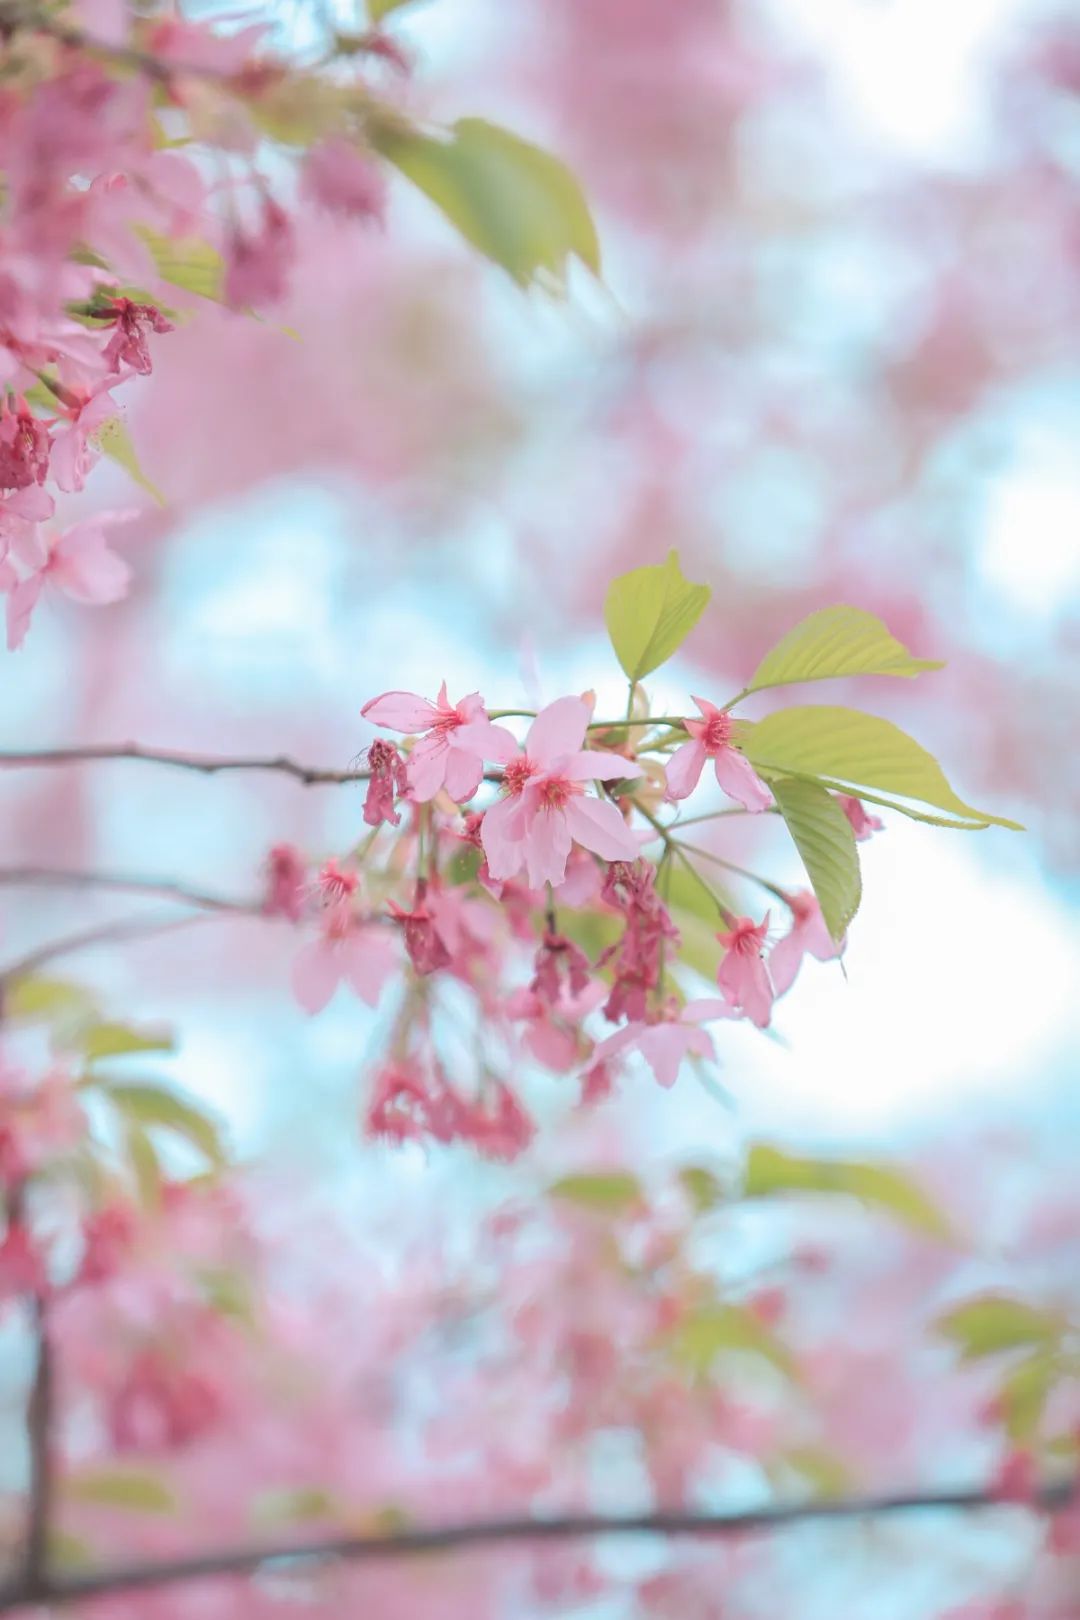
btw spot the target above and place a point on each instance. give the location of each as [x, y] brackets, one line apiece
[512, 1531]
[49, 877]
[39, 1430]
[127, 928]
[206, 764]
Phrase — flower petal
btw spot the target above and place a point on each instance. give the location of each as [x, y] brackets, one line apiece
[558, 730]
[599, 826]
[740, 781]
[595, 765]
[400, 711]
[683, 770]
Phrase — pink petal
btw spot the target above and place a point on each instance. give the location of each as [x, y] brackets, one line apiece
[501, 834]
[400, 711]
[486, 741]
[33, 503]
[708, 710]
[599, 826]
[705, 1008]
[369, 960]
[547, 847]
[316, 971]
[665, 1045]
[612, 1045]
[785, 959]
[558, 730]
[683, 770]
[740, 781]
[85, 568]
[463, 774]
[20, 608]
[594, 765]
[426, 769]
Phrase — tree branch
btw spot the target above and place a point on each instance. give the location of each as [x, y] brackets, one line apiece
[49, 877]
[126, 928]
[205, 764]
[39, 1429]
[505, 1531]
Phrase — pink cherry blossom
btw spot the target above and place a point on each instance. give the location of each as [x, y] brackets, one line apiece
[340, 179]
[84, 413]
[24, 446]
[286, 883]
[347, 951]
[863, 824]
[456, 741]
[665, 1041]
[546, 810]
[710, 738]
[77, 562]
[742, 975]
[258, 263]
[808, 937]
[386, 782]
[423, 942]
[132, 324]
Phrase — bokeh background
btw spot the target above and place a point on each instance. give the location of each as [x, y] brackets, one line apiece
[834, 358]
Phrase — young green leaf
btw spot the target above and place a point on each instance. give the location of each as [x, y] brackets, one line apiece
[145, 1164]
[771, 1170]
[716, 1329]
[704, 1189]
[46, 1001]
[97, 1041]
[611, 1191]
[824, 837]
[994, 1322]
[114, 440]
[133, 1490]
[847, 749]
[517, 204]
[149, 1105]
[190, 263]
[836, 641]
[649, 613]
[378, 9]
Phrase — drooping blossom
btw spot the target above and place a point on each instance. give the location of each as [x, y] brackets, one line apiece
[286, 883]
[546, 809]
[423, 942]
[24, 446]
[456, 740]
[711, 738]
[387, 781]
[666, 1040]
[638, 955]
[258, 263]
[340, 179]
[558, 960]
[77, 562]
[552, 1032]
[132, 323]
[808, 936]
[862, 823]
[743, 976]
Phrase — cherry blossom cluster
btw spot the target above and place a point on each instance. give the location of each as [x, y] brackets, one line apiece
[536, 888]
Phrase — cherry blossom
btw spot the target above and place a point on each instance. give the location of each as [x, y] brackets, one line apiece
[743, 975]
[456, 741]
[808, 936]
[666, 1040]
[711, 738]
[78, 562]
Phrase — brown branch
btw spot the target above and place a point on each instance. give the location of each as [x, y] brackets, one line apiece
[39, 1431]
[48, 877]
[507, 1531]
[205, 764]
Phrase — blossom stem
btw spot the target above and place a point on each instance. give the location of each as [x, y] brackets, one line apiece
[523, 1529]
[740, 871]
[677, 849]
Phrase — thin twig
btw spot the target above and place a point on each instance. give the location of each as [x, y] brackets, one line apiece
[205, 764]
[48, 877]
[504, 1531]
[108, 933]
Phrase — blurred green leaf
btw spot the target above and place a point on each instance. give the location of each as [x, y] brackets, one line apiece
[514, 202]
[46, 1001]
[68, 1552]
[612, 1191]
[133, 1490]
[718, 1329]
[145, 1164]
[228, 1292]
[649, 613]
[849, 750]
[824, 837]
[994, 1322]
[190, 263]
[1023, 1395]
[292, 1505]
[704, 1189]
[770, 1170]
[96, 1041]
[377, 10]
[151, 1105]
[836, 641]
[825, 1472]
[114, 440]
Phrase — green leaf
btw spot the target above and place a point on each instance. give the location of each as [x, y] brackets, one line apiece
[1024, 1393]
[96, 1041]
[151, 1105]
[825, 1472]
[649, 613]
[113, 438]
[770, 1170]
[704, 1189]
[145, 1165]
[229, 1293]
[849, 750]
[994, 1322]
[836, 641]
[46, 1001]
[515, 203]
[377, 10]
[824, 837]
[292, 1505]
[611, 1191]
[134, 1490]
[189, 263]
[68, 1552]
[698, 1339]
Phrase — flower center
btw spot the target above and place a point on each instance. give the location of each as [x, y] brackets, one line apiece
[716, 733]
[516, 774]
[555, 791]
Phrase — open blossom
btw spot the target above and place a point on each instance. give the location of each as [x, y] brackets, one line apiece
[348, 950]
[664, 1042]
[556, 959]
[132, 324]
[24, 446]
[862, 823]
[710, 738]
[808, 937]
[84, 412]
[340, 179]
[546, 809]
[743, 976]
[77, 562]
[638, 955]
[457, 739]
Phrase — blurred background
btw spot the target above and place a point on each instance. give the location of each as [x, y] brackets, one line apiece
[835, 357]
